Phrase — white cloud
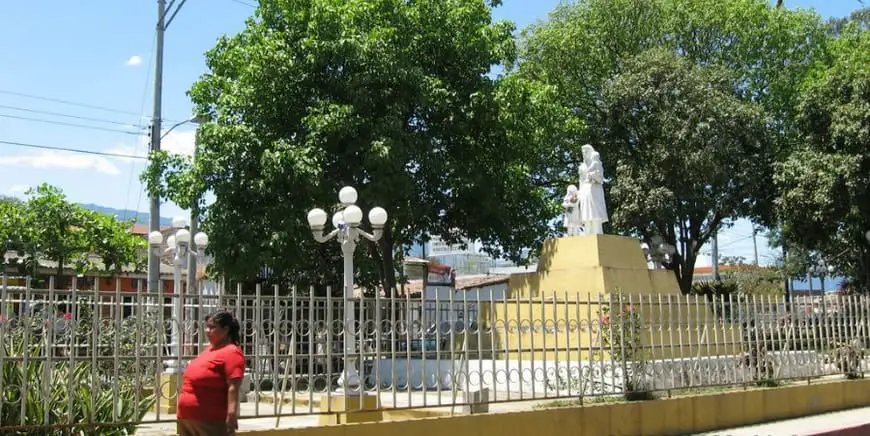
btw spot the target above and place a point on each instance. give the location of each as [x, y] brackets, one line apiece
[134, 61]
[135, 153]
[176, 142]
[63, 160]
[179, 142]
[18, 189]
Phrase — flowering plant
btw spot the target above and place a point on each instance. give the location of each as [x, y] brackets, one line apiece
[621, 332]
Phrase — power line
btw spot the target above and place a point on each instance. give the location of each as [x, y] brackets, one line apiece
[72, 103]
[58, 114]
[73, 150]
[67, 102]
[241, 2]
[61, 123]
[141, 126]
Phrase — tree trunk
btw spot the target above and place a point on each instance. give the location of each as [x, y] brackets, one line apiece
[388, 274]
[59, 280]
[687, 267]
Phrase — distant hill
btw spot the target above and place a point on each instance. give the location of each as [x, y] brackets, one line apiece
[125, 214]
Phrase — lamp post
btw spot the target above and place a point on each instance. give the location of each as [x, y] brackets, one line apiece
[178, 246]
[820, 269]
[347, 232]
[658, 251]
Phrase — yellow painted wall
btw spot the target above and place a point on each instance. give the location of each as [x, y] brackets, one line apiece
[678, 416]
[554, 313]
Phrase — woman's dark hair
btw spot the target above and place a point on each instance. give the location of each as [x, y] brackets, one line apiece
[228, 321]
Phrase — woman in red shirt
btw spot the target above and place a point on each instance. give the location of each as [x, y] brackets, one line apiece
[208, 404]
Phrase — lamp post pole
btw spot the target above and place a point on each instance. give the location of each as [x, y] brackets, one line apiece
[347, 232]
[658, 251]
[178, 245]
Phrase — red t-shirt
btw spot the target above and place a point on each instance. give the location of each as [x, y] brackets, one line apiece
[203, 394]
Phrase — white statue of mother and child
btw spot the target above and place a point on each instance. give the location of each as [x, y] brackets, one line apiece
[585, 210]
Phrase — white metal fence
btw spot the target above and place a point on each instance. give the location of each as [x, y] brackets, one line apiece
[73, 358]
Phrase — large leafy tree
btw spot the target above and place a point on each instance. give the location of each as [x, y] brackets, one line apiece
[825, 185]
[55, 227]
[586, 46]
[110, 239]
[48, 226]
[687, 151]
[392, 97]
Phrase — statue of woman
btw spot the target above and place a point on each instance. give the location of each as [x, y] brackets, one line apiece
[593, 210]
[571, 203]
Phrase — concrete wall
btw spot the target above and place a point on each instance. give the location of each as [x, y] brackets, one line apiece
[678, 416]
[537, 378]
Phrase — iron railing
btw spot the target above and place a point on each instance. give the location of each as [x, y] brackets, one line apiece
[80, 357]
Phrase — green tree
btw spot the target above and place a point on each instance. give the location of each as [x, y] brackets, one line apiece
[688, 151]
[110, 239]
[11, 223]
[48, 226]
[56, 227]
[825, 185]
[860, 18]
[586, 46]
[390, 96]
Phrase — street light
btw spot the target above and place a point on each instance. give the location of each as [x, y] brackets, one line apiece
[177, 245]
[347, 232]
[820, 269]
[658, 251]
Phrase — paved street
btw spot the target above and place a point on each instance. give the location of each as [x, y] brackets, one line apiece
[828, 424]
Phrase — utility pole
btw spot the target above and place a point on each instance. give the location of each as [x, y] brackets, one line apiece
[192, 286]
[156, 130]
[755, 244]
[714, 256]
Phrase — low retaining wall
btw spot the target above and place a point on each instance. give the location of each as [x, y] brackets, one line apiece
[591, 378]
[677, 416]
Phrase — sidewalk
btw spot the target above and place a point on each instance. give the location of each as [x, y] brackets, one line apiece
[855, 422]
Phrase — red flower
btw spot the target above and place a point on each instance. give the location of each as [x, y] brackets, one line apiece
[67, 316]
[605, 319]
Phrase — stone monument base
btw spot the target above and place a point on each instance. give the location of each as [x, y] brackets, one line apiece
[167, 393]
[347, 409]
[593, 265]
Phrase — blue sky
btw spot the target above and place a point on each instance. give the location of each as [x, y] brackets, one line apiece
[99, 55]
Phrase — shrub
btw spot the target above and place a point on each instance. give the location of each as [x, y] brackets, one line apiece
[622, 335]
[61, 393]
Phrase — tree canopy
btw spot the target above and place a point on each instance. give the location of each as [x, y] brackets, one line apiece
[675, 158]
[704, 111]
[825, 183]
[47, 226]
[688, 152]
[391, 97]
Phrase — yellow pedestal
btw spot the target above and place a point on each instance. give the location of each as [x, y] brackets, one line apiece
[166, 402]
[578, 275]
[592, 265]
[349, 409]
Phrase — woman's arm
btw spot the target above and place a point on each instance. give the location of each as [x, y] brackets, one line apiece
[235, 371]
[233, 387]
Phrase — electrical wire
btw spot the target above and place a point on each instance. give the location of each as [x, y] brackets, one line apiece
[141, 126]
[241, 2]
[73, 150]
[73, 103]
[58, 114]
[67, 102]
[61, 123]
